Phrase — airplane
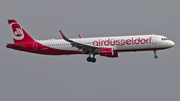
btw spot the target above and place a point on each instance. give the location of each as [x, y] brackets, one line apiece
[109, 46]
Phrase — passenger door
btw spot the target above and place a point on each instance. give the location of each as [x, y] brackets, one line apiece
[154, 40]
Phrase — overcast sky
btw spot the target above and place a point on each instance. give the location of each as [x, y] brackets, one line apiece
[130, 77]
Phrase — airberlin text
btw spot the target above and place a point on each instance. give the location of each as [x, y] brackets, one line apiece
[122, 42]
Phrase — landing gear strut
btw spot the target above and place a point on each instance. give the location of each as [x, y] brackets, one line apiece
[93, 59]
[155, 54]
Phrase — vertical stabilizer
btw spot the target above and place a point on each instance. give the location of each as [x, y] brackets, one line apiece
[19, 34]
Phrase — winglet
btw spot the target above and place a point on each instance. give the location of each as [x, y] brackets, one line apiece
[63, 36]
[80, 36]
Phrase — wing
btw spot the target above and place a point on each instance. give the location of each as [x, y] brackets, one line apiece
[84, 47]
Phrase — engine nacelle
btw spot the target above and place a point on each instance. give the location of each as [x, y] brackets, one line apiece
[108, 52]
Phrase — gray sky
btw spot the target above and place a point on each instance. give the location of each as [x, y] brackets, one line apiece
[130, 77]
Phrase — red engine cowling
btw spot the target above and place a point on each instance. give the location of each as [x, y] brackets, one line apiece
[108, 52]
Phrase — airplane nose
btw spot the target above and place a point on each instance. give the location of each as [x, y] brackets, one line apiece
[171, 43]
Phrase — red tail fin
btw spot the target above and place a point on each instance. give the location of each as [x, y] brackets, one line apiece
[19, 34]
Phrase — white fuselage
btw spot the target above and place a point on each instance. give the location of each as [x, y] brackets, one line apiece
[118, 43]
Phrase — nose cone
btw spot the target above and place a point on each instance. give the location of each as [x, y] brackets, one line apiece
[171, 43]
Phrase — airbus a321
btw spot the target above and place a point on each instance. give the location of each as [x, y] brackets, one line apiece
[103, 46]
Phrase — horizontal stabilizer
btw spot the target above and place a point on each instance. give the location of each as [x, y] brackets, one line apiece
[15, 46]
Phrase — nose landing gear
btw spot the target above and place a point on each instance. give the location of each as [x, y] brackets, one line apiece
[155, 54]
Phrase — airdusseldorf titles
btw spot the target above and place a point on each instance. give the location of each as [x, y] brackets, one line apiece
[122, 42]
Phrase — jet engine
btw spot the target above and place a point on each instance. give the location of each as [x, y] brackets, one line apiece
[107, 52]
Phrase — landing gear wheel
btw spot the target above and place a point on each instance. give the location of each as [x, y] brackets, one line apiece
[89, 59]
[93, 60]
[155, 56]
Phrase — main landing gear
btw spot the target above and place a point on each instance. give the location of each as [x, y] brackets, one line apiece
[91, 59]
[155, 54]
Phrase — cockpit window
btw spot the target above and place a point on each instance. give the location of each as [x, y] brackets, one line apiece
[164, 39]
